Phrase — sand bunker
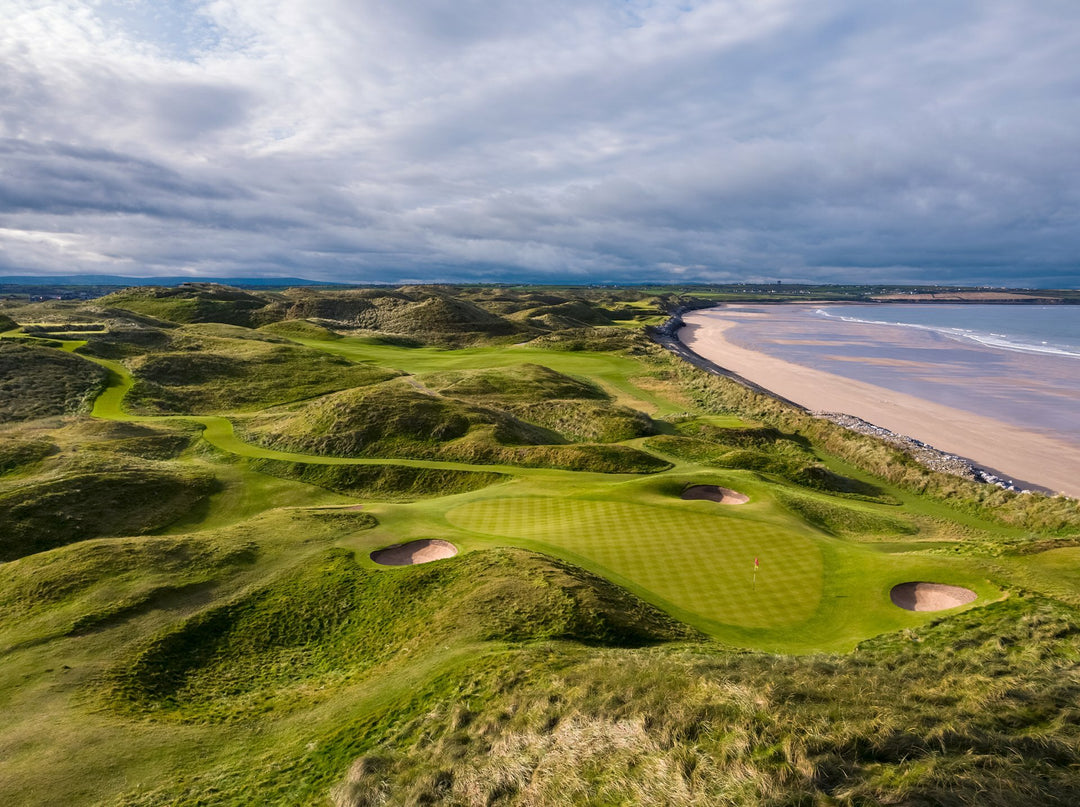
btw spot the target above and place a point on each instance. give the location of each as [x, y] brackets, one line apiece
[930, 596]
[714, 493]
[414, 552]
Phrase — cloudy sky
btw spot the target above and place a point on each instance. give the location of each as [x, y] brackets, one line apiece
[564, 140]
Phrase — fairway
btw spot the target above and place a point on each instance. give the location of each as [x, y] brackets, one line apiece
[696, 562]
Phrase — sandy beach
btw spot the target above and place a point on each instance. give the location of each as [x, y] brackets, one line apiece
[1024, 455]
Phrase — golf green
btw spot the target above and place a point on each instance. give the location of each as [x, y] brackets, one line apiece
[697, 562]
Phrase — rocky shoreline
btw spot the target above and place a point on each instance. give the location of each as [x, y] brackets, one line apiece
[932, 458]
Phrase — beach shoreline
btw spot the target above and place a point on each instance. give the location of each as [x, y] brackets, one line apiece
[1026, 456]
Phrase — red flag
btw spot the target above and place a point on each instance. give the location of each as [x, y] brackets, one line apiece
[756, 562]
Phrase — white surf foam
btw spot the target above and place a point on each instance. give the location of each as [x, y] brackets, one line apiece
[992, 340]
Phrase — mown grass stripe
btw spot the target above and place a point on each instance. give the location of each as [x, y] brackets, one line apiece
[700, 562]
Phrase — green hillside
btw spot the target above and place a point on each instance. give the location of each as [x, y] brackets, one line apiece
[652, 585]
[524, 383]
[215, 368]
[37, 382]
[193, 302]
[87, 498]
[429, 314]
[381, 482]
[17, 454]
[331, 621]
[577, 410]
[404, 419]
[924, 723]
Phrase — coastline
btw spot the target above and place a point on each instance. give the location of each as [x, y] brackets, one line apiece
[1001, 448]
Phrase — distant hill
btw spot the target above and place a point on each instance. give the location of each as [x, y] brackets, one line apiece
[119, 280]
[192, 302]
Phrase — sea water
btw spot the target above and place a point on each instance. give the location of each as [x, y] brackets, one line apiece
[1047, 329]
[1016, 363]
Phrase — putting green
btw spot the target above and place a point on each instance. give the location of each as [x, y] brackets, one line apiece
[697, 562]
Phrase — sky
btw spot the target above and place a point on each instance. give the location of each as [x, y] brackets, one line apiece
[581, 141]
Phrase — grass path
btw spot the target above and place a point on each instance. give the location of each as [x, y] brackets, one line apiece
[219, 432]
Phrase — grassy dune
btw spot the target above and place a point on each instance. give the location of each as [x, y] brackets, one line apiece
[18, 454]
[381, 482]
[91, 498]
[215, 368]
[189, 614]
[432, 315]
[82, 587]
[404, 418]
[330, 621]
[574, 408]
[193, 302]
[37, 382]
[923, 723]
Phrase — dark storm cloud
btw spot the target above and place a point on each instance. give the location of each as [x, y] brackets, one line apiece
[592, 140]
[58, 178]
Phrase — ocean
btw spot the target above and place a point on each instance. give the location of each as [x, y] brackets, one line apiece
[1015, 363]
[1053, 330]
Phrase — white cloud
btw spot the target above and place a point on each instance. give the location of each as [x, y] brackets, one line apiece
[623, 139]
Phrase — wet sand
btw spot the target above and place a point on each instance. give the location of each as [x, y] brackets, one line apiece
[1011, 451]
